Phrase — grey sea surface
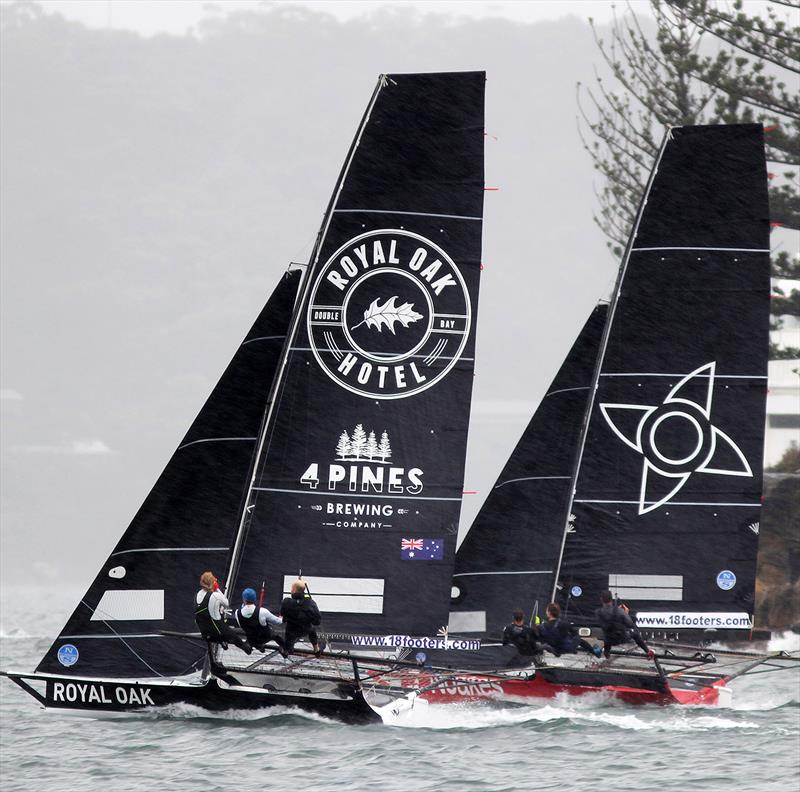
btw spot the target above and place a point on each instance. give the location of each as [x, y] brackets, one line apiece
[565, 744]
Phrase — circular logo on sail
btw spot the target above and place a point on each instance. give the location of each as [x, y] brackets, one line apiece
[67, 655]
[389, 314]
[726, 580]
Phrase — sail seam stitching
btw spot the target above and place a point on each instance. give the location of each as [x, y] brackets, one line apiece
[530, 478]
[214, 440]
[262, 338]
[732, 250]
[354, 494]
[166, 549]
[414, 214]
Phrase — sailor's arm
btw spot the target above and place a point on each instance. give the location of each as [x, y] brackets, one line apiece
[266, 617]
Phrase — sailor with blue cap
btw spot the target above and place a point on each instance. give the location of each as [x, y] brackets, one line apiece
[256, 621]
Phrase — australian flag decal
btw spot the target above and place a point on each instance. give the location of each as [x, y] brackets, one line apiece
[422, 549]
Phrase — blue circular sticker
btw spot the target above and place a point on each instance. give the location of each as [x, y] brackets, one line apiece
[68, 655]
[576, 591]
[421, 657]
[726, 580]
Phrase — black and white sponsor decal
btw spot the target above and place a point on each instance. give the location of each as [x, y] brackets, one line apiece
[365, 468]
[389, 314]
[677, 438]
[99, 694]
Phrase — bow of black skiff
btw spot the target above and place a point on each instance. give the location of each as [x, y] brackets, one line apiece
[335, 697]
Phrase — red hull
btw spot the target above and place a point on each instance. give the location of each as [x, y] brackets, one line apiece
[479, 688]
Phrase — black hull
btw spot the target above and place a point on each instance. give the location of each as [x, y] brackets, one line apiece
[113, 696]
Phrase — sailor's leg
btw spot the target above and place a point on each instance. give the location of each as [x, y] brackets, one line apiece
[229, 635]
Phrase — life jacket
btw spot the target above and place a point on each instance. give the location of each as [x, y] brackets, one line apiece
[253, 629]
[613, 623]
[300, 613]
[203, 619]
[522, 637]
[558, 635]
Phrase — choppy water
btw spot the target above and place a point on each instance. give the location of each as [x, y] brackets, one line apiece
[571, 744]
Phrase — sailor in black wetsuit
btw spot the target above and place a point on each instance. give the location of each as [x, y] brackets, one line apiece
[210, 604]
[256, 621]
[300, 615]
[520, 635]
[561, 636]
[618, 626]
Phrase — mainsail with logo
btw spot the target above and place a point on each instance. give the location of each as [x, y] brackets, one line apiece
[508, 559]
[359, 477]
[667, 490]
[185, 525]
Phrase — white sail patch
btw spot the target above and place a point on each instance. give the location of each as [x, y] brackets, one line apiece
[130, 605]
[646, 587]
[467, 622]
[342, 594]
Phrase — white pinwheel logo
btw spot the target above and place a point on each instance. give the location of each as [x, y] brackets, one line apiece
[676, 438]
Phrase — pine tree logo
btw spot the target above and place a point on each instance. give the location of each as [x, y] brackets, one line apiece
[363, 447]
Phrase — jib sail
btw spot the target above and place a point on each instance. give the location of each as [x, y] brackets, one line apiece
[668, 489]
[508, 559]
[185, 525]
[359, 481]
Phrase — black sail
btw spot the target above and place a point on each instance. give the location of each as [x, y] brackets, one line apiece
[668, 490]
[185, 525]
[509, 557]
[360, 478]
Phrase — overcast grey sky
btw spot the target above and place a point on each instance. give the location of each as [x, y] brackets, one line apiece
[150, 17]
[155, 188]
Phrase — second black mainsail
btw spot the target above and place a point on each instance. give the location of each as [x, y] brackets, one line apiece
[668, 486]
[359, 481]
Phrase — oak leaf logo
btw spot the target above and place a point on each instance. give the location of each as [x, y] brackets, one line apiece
[378, 315]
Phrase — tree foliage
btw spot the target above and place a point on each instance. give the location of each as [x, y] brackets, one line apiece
[705, 63]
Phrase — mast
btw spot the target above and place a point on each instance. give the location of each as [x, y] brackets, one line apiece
[599, 363]
[289, 342]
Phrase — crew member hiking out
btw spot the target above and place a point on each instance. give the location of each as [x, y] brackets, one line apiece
[209, 611]
[256, 621]
[300, 615]
[561, 636]
[520, 635]
[618, 627]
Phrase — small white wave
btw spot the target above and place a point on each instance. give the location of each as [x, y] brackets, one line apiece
[470, 716]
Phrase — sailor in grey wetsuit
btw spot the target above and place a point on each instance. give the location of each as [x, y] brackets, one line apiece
[618, 626]
[210, 604]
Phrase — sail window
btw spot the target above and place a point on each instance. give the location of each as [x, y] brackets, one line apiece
[342, 594]
[117, 572]
[646, 587]
[130, 605]
[467, 622]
